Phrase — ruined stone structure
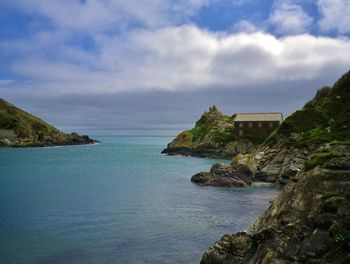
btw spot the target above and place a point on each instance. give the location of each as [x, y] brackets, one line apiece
[256, 125]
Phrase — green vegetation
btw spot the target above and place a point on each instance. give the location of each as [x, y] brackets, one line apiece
[325, 118]
[29, 130]
[184, 139]
[320, 158]
[212, 127]
[343, 240]
[24, 124]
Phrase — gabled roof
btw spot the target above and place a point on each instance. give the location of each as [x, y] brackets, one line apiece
[246, 117]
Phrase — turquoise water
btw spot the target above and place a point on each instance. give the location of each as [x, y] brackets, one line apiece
[115, 202]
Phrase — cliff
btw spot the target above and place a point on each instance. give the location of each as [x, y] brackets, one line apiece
[309, 221]
[212, 136]
[21, 129]
[324, 119]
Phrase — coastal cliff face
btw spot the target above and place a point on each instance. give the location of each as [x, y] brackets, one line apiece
[324, 119]
[21, 129]
[212, 136]
[309, 222]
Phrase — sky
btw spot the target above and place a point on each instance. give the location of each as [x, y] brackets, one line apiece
[116, 67]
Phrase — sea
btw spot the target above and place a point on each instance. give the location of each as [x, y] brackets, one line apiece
[119, 201]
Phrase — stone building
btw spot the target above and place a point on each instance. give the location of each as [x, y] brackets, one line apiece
[256, 125]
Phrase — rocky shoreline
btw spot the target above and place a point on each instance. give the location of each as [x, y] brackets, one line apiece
[308, 222]
[309, 155]
[212, 150]
[70, 139]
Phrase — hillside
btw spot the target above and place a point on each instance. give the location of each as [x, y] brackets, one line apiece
[325, 118]
[309, 221]
[212, 136]
[21, 129]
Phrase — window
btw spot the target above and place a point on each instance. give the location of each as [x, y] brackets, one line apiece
[241, 132]
[271, 125]
[241, 125]
[260, 125]
[250, 124]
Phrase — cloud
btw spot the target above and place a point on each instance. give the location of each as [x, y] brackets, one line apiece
[111, 15]
[335, 15]
[245, 26]
[177, 59]
[288, 17]
[6, 82]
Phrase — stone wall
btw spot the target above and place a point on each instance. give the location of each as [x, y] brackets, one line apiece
[257, 129]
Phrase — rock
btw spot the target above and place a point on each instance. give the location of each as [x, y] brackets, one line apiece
[315, 244]
[212, 137]
[230, 249]
[221, 175]
[201, 177]
[309, 222]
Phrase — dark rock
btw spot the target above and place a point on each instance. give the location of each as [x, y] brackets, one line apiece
[221, 175]
[201, 177]
[309, 222]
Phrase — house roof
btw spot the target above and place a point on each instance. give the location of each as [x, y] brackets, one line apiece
[259, 117]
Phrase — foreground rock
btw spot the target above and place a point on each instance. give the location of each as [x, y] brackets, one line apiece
[21, 129]
[309, 222]
[223, 176]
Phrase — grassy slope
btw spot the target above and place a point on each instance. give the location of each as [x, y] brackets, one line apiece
[212, 127]
[32, 131]
[325, 118]
[24, 124]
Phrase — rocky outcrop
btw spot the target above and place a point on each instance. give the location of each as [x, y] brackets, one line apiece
[212, 137]
[67, 139]
[212, 149]
[309, 222]
[324, 119]
[277, 163]
[21, 129]
[223, 176]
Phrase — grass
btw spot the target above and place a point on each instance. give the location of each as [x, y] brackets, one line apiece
[223, 137]
[323, 119]
[24, 124]
[320, 158]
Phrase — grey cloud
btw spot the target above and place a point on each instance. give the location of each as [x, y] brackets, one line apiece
[163, 113]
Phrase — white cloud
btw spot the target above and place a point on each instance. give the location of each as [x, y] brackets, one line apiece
[95, 15]
[288, 17]
[335, 15]
[245, 26]
[180, 58]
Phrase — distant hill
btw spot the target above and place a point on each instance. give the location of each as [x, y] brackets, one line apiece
[21, 129]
